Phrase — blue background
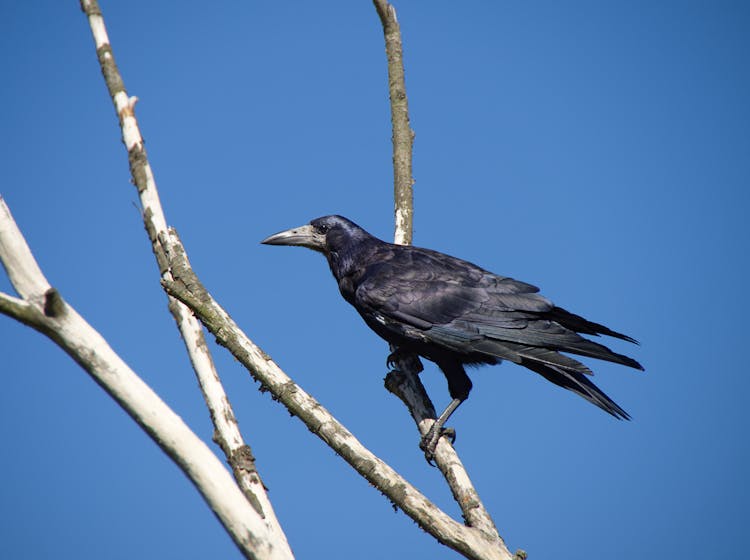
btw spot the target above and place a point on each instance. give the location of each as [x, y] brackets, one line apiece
[597, 149]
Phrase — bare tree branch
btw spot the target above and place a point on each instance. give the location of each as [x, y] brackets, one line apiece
[403, 135]
[227, 433]
[405, 382]
[409, 388]
[44, 309]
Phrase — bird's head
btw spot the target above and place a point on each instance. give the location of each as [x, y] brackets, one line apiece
[325, 235]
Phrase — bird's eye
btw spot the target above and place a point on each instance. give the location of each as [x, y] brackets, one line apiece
[323, 228]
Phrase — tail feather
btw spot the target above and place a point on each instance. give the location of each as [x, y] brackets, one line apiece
[585, 347]
[555, 330]
[521, 353]
[579, 324]
[579, 384]
[548, 353]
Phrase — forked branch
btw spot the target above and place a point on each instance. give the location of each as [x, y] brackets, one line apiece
[43, 308]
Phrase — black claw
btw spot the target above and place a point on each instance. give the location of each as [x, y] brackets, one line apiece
[411, 360]
[429, 442]
[390, 361]
[429, 452]
[394, 357]
[450, 433]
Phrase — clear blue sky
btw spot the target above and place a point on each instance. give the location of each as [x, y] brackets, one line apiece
[600, 150]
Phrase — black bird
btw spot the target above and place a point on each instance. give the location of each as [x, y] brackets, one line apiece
[454, 313]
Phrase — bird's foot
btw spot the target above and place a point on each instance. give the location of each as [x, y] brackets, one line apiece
[411, 360]
[429, 441]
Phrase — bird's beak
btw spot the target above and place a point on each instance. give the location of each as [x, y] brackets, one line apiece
[303, 236]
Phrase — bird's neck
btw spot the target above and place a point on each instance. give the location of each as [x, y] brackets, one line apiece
[350, 258]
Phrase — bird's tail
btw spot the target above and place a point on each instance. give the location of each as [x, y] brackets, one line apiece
[591, 349]
[578, 383]
[578, 324]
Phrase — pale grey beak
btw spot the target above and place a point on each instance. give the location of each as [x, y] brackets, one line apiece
[303, 236]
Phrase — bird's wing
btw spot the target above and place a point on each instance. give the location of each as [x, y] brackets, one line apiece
[425, 289]
[468, 310]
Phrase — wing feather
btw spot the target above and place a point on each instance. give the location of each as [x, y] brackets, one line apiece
[479, 313]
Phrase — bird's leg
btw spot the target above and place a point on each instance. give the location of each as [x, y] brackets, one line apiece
[459, 387]
[430, 439]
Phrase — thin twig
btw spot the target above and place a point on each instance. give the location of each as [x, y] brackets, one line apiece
[227, 433]
[403, 135]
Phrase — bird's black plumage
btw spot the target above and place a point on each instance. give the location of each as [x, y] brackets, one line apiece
[455, 313]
